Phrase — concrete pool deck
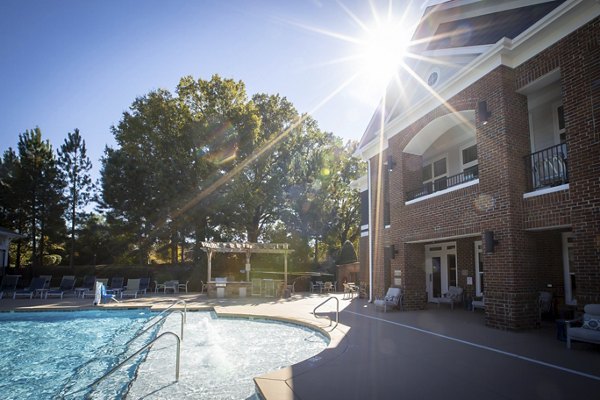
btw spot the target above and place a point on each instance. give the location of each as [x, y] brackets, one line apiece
[415, 354]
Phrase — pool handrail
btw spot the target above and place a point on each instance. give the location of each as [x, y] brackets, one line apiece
[171, 306]
[337, 312]
[164, 316]
[115, 368]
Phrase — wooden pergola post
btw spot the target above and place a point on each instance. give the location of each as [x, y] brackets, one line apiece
[209, 255]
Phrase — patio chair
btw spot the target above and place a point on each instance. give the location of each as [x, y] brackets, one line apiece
[478, 304]
[349, 290]
[34, 286]
[204, 286]
[589, 331]
[67, 283]
[48, 278]
[86, 286]
[172, 286]
[182, 286]
[132, 289]
[393, 298]
[328, 287]
[452, 296]
[92, 293]
[9, 283]
[158, 286]
[116, 285]
[144, 285]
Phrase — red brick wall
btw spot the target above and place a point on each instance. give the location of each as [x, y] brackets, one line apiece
[514, 271]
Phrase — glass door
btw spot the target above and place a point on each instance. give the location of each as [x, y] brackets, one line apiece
[441, 269]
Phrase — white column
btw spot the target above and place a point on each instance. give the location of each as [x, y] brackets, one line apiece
[247, 265]
[285, 268]
[209, 255]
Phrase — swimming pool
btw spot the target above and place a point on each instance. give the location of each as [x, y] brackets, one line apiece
[48, 355]
[54, 354]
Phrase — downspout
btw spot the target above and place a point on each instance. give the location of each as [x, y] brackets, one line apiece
[370, 231]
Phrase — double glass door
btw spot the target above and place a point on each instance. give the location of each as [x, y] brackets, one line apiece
[441, 269]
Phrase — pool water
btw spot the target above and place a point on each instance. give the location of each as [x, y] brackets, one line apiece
[56, 355]
[221, 356]
[47, 355]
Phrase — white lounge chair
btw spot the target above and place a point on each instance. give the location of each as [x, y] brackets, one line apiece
[393, 298]
[133, 288]
[589, 331]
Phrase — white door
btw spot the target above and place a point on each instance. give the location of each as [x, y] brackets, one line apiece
[569, 277]
[441, 269]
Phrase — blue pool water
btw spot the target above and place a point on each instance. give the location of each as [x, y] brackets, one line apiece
[48, 355]
[57, 355]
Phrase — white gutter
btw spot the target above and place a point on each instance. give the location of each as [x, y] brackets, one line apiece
[370, 231]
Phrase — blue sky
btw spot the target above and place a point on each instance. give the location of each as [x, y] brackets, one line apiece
[68, 64]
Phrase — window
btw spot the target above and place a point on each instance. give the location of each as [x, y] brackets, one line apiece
[469, 162]
[386, 197]
[560, 116]
[479, 286]
[434, 175]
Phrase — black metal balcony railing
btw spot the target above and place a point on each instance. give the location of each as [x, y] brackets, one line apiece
[444, 183]
[547, 168]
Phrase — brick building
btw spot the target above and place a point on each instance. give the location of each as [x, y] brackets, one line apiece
[484, 165]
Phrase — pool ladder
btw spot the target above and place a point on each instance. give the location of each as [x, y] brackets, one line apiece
[160, 317]
[337, 312]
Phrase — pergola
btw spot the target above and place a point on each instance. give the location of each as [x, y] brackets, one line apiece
[247, 248]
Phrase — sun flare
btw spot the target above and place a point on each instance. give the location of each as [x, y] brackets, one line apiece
[382, 50]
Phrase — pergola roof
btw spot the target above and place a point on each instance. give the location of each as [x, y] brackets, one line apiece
[235, 247]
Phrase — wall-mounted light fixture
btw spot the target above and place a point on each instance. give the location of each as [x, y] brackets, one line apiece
[484, 113]
[393, 251]
[490, 242]
[390, 163]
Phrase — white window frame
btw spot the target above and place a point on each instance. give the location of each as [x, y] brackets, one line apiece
[557, 130]
[430, 163]
[470, 163]
[478, 273]
[566, 244]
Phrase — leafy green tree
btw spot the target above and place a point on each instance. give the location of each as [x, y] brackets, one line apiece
[75, 166]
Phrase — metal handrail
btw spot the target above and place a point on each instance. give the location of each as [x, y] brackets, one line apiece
[97, 381]
[156, 322]
[337, 312]
[171, 306]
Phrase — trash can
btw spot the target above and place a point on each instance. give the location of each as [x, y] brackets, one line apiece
[561, 330]
[242, 291]
[220, 292]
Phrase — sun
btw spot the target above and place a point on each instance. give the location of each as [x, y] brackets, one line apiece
[382, 50]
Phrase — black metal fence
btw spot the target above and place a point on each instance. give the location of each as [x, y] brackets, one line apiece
[547, 167]
[444, 183]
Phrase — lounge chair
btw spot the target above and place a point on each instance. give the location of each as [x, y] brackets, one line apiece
[132, 289]
[92, 293]
[67, 284]
[116, 285]
[589, 331]
[34, 286]
[48, 279]
[86, 286]
[452, 296]
[9, 283]
[144, 285]
[393, 298]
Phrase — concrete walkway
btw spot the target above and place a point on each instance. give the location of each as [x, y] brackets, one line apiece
[435, 353]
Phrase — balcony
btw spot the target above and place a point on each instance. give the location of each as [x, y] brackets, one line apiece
[444, 183]
[547, 167]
